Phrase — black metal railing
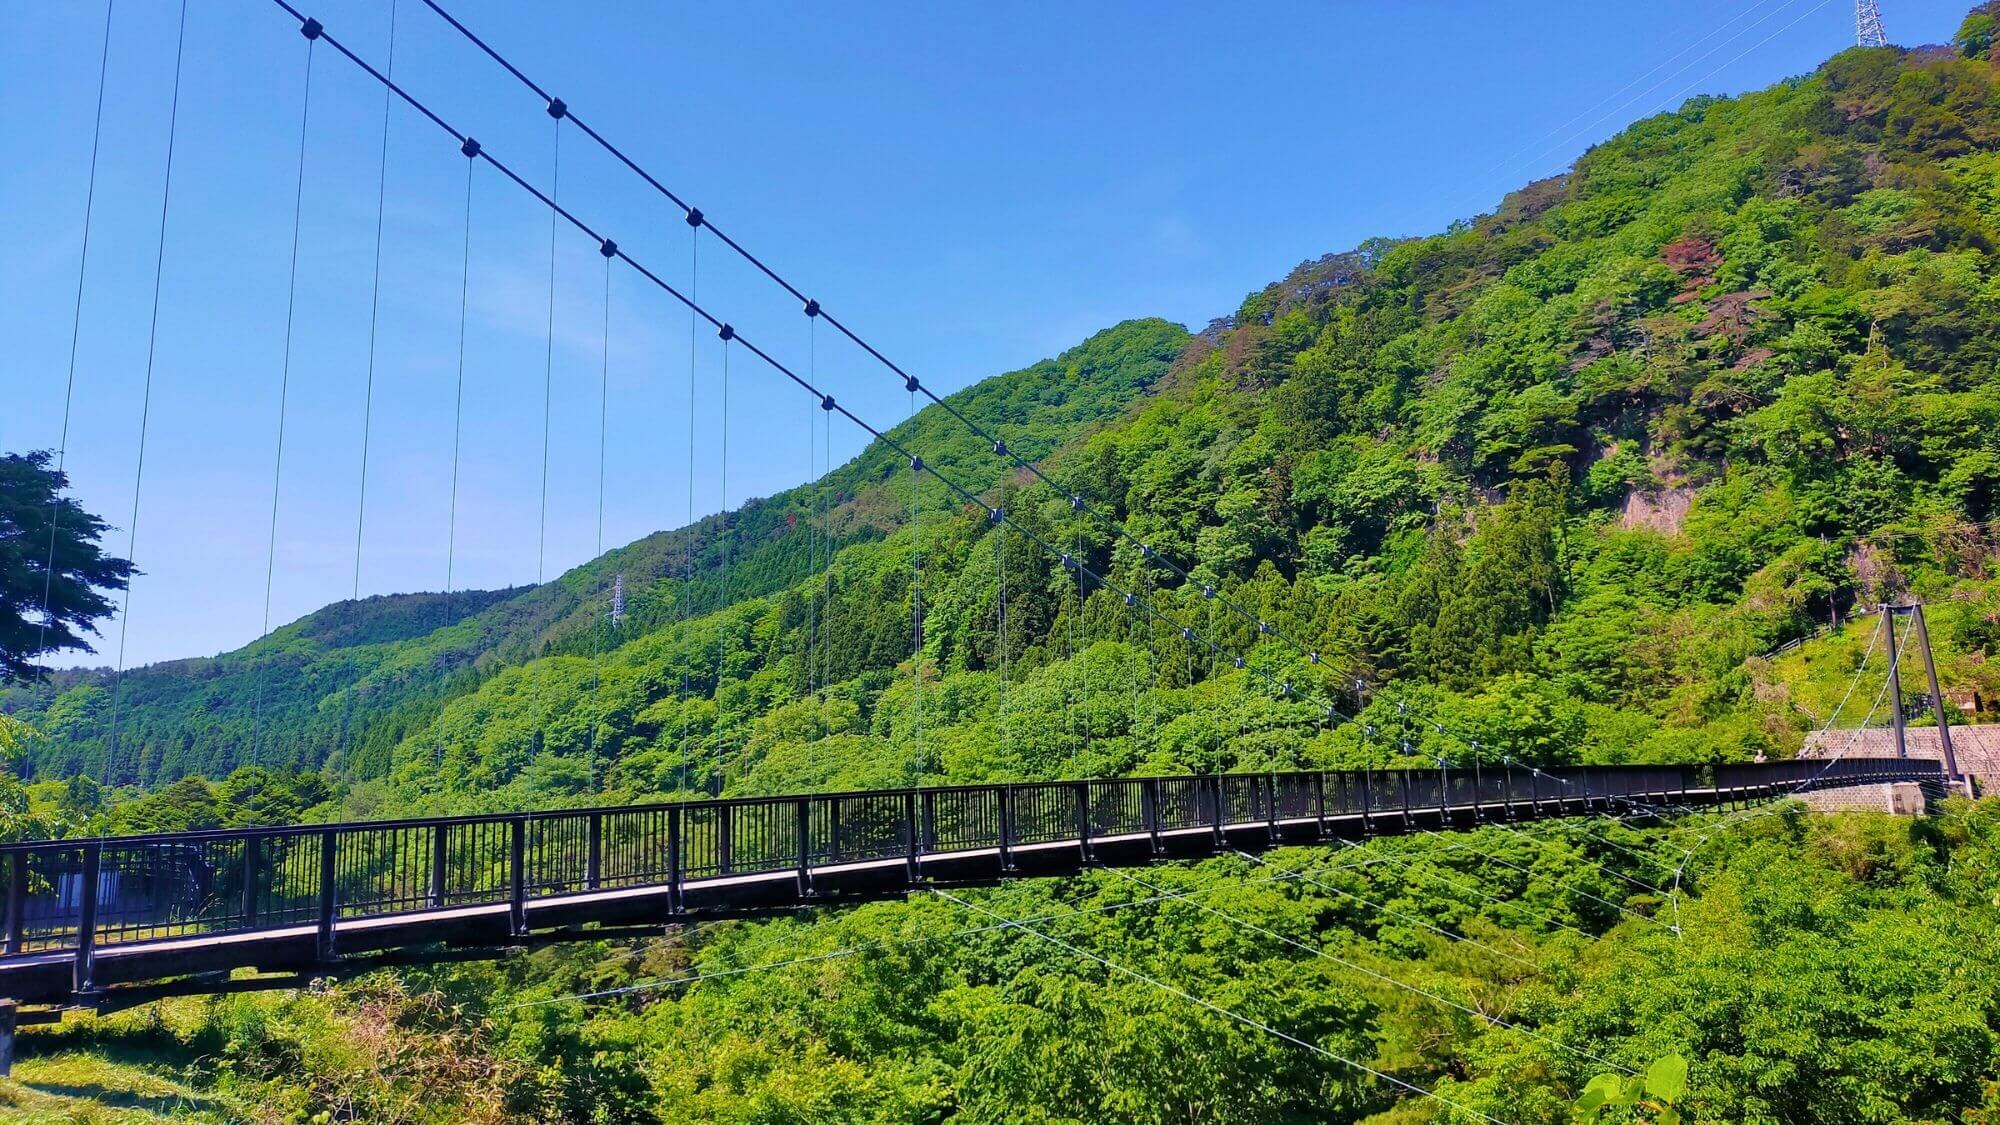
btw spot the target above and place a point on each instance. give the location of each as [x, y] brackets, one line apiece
[79, 894]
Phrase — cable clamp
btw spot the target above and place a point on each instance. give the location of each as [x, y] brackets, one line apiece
[812, 306]
[470, 148]
[996, 515]
[1129, 599]
[826, 402]
[1312, 658]
[1239, 662]
[1067, 562]
[1076, 503]
[312, 28]
[911, 385]
[727, 332]
[1285, 689]
[917, 463]
[1187, 634]
[557, 109]
[1263, 626]
[694, 218]
[1000, 447]
[1208, 591]
[1145, 552]
[609, 249]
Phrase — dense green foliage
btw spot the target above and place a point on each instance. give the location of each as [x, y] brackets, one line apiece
[54, 576]
[1825, 969]
[1554, 481]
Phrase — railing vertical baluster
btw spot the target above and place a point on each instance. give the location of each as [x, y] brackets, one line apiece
[329, 848]
[676, 824]
[593, 863]
[251, 846]
[86, 923]
[517, 876]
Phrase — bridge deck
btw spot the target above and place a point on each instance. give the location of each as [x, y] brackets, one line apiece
[97, 921]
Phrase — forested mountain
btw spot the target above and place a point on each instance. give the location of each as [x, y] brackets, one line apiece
[1555, 480]
[345, 684]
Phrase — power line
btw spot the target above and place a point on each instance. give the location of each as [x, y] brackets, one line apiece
[1385, 978]
[1211, 1006]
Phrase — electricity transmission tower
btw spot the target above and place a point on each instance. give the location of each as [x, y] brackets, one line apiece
[1868, 24]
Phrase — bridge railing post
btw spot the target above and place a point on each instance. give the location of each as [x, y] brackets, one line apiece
[1220, 811]
[439, 843]
[17, 900]
[676, 862]
[802, 828]
[1409, 819]
[1083, 821]
[251, 846]
[329, 856]
[1149, 811]
[927, 819]
[593, 848]
[86, 921]
[517, 876]
[912, 838]
[1006, 828]
[1319, 800]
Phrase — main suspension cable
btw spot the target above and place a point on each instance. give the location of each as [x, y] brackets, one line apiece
[998, 515]
[696, 217]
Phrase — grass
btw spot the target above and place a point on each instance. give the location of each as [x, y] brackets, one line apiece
[93, 1088]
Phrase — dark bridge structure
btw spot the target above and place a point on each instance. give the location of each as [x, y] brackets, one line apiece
[111, 922]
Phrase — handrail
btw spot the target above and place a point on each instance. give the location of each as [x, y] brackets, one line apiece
[83, 894]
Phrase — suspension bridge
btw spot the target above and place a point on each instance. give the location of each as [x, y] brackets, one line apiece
[108, 923]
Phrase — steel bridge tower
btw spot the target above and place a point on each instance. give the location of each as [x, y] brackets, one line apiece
[1868, 24]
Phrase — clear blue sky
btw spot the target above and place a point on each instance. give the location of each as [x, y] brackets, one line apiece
[972, 186]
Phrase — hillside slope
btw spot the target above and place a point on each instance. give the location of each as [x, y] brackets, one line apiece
[347, 682]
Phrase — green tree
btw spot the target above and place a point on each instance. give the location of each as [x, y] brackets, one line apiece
[53, 573]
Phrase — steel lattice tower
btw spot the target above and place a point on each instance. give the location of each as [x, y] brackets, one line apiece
[1868, 24]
